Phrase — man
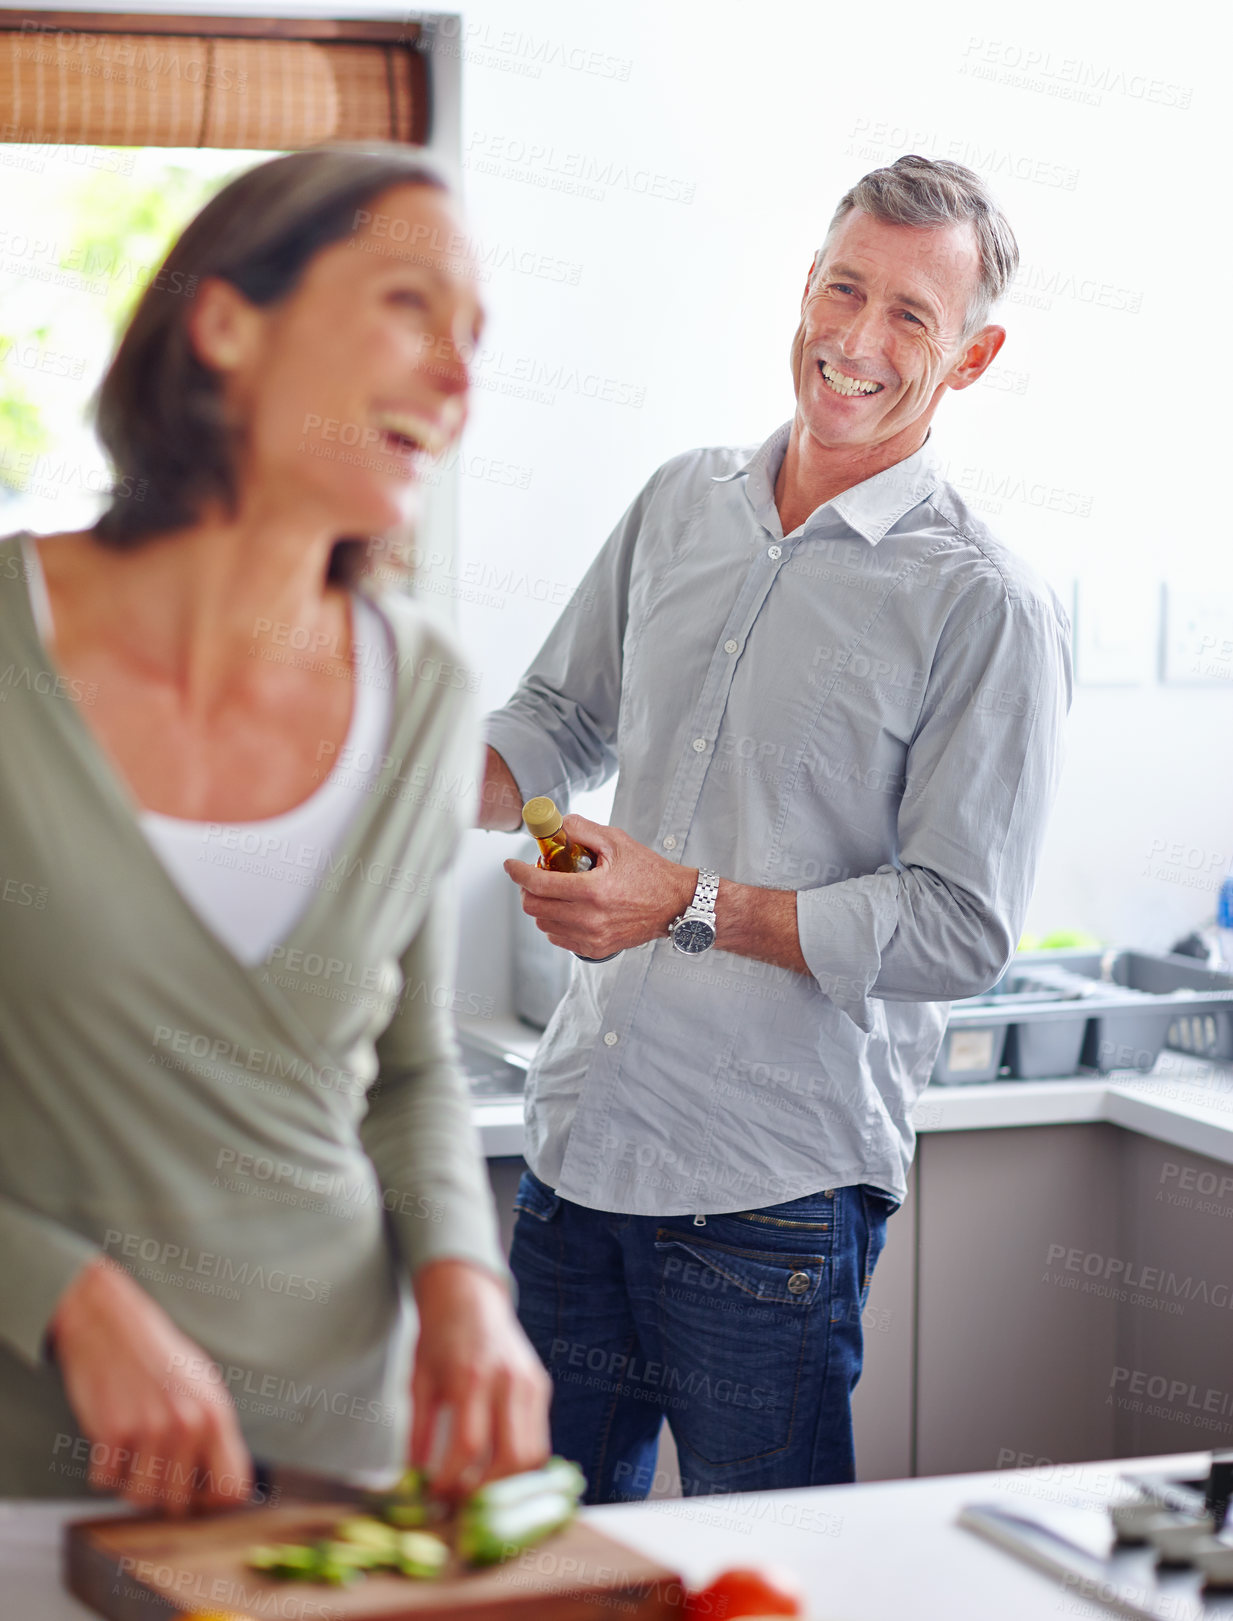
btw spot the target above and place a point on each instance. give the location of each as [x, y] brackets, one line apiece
[835, 704]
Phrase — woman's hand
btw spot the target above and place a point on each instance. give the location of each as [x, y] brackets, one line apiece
[162, 1424]
[474, 1365]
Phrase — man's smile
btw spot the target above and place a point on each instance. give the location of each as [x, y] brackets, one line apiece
[841, 383]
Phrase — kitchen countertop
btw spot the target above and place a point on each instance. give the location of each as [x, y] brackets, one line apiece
[1186, 1102]
[879, 1552]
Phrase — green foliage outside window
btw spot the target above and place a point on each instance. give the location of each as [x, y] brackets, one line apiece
[61, 312]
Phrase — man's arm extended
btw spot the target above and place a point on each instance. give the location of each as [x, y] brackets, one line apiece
[500, 809]
[634, 893]
[938, 922]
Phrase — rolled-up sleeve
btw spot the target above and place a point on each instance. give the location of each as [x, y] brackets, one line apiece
[942, 920]
[558, 732]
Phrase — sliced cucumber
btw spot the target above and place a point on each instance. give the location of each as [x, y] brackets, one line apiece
[488, 1535]
[496, 1522]
[414, 1483]
[557, 1475]
[285, 1561]
[367, 1532]
[407, 1516]
[422, 1555]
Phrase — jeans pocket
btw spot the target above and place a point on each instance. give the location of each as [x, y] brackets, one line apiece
[734, 1324]
[760, 1228]
[741, 1275]
[536, 1198]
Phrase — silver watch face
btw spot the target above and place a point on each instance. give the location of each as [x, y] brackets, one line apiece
[693, 934]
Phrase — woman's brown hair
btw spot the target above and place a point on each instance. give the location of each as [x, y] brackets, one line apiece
[159, 411]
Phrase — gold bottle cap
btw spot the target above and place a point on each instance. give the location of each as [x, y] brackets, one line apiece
[542, 817]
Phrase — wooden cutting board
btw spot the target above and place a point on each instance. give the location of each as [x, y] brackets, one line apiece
[142, 1569]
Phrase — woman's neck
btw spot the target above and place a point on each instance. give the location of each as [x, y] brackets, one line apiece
[194, 609]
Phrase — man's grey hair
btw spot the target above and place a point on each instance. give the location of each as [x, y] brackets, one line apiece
[926, 191]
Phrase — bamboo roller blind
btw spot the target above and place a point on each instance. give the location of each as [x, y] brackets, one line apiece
[111, 88]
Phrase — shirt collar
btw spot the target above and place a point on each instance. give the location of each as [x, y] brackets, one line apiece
[870, 508]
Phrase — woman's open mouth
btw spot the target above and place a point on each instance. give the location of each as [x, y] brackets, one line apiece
[408, 435]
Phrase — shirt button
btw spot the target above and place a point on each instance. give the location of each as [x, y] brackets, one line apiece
[610, 1040]
[798, 1283]
[699, 745]
[670, 842]
[774, 551]
[731, 646]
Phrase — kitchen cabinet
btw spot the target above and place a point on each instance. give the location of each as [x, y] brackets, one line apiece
[1058, 1284]
[1057, 1291]
[972, 1355]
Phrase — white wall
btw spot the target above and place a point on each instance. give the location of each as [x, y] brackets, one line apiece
[647, 183]
[673, 166]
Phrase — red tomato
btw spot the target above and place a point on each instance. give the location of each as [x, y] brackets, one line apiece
[746, 1592]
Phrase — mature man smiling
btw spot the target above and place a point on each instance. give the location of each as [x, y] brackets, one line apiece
[835, 704]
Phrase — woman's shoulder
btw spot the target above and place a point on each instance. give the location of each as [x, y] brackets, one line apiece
[12, 547]
[14, 573]
[24, 561]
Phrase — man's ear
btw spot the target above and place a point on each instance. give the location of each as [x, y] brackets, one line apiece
[977, 358]
[223, 327]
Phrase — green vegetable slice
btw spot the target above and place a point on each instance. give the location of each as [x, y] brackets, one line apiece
[557, 1475]
[422, 1555]
[496, 1522]
[285, 1561]
[367, 1532]
[487, 1535]
[406, 1516]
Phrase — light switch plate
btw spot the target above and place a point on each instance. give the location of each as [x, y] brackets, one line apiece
[1197, 645]
[1117, 630]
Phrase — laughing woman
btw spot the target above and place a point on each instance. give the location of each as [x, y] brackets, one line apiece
[237, 1162]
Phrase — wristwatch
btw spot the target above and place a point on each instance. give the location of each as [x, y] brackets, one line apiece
[694, 930]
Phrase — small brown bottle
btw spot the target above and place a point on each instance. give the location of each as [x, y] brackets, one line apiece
[557, 853]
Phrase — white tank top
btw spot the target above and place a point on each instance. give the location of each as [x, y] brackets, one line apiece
[252, 881]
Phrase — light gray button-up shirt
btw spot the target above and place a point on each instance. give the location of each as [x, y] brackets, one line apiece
[867, 711]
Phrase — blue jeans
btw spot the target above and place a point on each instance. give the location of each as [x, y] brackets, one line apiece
[744, 1332]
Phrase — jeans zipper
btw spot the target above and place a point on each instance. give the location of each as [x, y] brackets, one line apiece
[699, 1221]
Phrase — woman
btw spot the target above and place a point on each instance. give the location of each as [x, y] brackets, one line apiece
[235, 1138]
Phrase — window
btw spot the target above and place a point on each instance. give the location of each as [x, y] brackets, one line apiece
[115, 131]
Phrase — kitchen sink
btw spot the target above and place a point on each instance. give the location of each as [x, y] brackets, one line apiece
[492, 1074]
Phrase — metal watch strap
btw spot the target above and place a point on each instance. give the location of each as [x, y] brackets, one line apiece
[705, 895]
